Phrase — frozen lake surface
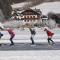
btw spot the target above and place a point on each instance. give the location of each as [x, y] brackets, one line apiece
[23, 50]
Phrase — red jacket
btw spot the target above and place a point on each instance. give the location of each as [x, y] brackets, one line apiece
[10, 31]
[49, 33]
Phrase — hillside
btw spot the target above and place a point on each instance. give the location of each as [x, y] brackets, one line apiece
[49, 7]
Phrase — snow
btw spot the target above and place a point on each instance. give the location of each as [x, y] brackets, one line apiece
[13, 24]
[19, 5]
[30, 55]
[49, 7]
[1, 25]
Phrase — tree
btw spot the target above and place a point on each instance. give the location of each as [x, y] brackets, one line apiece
[6, 8]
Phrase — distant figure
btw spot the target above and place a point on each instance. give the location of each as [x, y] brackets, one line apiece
[1, 37]
[50, 35]
[32, 34]
[1, 28]
[12, 35]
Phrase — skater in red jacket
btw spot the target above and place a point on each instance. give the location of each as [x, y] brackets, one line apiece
[50, 35]
[12, 35]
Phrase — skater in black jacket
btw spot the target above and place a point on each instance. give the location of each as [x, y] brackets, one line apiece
[32, 34]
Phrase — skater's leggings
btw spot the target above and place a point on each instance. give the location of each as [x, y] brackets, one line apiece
[12, 38]
[49, 39]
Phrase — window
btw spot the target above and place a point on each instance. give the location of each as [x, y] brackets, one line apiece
[34, 17]
[30, 16]
[27, 20]
[25, 17]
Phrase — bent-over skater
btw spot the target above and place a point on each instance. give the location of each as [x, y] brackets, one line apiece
[12, 35]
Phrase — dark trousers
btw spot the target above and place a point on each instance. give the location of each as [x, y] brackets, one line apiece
[32, 40]
[11, 39]
[50, 40]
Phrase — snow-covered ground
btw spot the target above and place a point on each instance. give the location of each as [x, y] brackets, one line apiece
[30, 55]
[20, 5]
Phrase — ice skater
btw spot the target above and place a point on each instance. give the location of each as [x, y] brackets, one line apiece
[1, 37]
[12, 35]
[32, 30]
[1, 28]
[50, 35]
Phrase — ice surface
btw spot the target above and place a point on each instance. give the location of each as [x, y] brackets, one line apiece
[24, 35]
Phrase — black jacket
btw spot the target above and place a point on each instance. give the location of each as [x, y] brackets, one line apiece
[32, 31]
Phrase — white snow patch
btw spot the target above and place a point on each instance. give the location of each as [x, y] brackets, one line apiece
[49, 7]
[18, 5]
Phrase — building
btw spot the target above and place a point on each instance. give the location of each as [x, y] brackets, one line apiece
[30, 16]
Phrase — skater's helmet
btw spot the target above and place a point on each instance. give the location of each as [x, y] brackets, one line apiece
[46, 28]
